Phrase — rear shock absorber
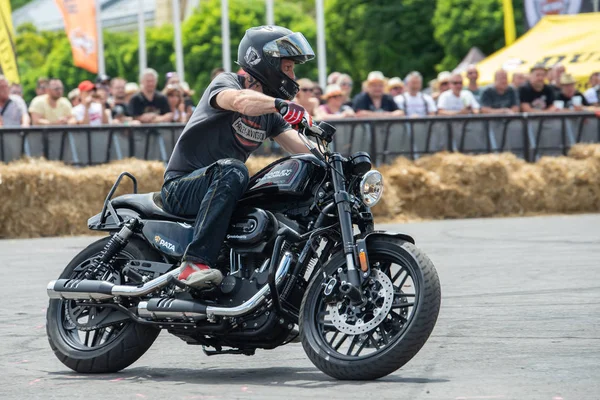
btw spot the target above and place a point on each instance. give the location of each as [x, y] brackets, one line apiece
[114, 246]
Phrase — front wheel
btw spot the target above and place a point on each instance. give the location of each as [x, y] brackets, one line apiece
[373, 340]
[96, 339]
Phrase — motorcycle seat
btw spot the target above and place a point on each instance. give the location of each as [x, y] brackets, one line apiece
[150, 206]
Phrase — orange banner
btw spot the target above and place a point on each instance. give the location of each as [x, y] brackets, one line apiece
[80, 25]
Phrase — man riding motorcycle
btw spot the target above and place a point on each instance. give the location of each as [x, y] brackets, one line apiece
[206, 174]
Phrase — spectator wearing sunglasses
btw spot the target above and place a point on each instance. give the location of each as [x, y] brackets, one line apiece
[374, 103]
[457, 100]
[305, 96]
[334, 107]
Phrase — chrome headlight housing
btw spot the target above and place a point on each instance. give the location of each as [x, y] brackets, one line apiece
[371, 188]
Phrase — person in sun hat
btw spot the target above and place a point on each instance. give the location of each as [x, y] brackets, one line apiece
[374, 102]
[334, 107]
[395, 86]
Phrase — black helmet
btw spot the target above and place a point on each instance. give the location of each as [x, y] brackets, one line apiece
[260, 53]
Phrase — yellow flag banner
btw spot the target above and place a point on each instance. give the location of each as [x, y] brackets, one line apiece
[510, 31]
[8, 54]
[80, 25]
[568, 39]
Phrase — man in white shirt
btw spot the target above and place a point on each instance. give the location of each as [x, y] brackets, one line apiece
[91, 111]
[413, 101]
[456, 100]
[591, 95]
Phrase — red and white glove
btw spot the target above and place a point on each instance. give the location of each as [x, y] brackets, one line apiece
[292, 113]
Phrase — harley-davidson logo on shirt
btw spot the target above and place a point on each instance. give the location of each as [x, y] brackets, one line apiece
[255, 136]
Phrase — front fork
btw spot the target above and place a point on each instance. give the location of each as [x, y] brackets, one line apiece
[351, 248]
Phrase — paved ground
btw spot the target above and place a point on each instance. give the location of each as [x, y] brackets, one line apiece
[519, 320]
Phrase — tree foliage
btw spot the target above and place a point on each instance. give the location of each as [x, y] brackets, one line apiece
[462, 24]
[391, 36]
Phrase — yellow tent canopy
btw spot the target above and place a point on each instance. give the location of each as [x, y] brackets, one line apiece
[572, 40]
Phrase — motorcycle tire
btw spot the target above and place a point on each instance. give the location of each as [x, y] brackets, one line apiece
[400, 349]
[132, 341]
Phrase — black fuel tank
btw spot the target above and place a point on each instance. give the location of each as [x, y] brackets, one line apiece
[286, 177]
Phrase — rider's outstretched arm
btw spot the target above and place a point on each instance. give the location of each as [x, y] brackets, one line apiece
[246, 101]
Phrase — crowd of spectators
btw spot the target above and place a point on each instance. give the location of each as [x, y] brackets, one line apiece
[541, 90]
[105, 101]
[116, 101]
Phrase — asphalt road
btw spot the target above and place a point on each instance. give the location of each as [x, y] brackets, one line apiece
[519, 320]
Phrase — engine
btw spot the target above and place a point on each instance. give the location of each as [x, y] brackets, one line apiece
[250, 230]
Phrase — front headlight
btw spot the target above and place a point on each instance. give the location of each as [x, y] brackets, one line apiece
[371, 188]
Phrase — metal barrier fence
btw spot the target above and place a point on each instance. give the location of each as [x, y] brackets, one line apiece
[529, 136]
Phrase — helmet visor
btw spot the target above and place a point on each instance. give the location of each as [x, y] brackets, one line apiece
[293, 46]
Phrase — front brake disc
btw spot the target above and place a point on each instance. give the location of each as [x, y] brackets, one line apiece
[352, 321]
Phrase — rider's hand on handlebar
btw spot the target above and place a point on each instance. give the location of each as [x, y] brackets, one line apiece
[293, 113]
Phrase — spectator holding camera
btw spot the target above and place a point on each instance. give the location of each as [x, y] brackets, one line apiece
[92, 109]
[457, 100]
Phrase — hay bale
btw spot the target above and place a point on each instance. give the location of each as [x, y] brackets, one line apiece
[43, 198]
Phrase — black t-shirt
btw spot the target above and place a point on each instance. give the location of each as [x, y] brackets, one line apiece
[213, 134]
[569, 100]
[139, 104]
[538, 100]
[120, 110]
[363, 101]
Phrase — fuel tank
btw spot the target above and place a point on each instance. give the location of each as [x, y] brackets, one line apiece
[290, 177]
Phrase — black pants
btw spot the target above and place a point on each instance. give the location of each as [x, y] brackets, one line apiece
[210, 194]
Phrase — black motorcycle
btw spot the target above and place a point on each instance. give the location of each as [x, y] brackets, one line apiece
[301, 258]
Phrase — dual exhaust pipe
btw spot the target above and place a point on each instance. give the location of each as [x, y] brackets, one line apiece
[75, 289]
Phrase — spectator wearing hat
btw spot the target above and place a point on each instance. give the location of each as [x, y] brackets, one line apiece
[150, 106]
[345, 82]
[395, 86]
[374, 102]
[500, 98]
[535, 95]
[571, 98]
[305, 97]
[334, 107]
[457, 100]
[51, 108]
[443, 84]
[73, 97]
[592, 94]
[13, 110]
[91, 111]
[413, 101]
[131, 88]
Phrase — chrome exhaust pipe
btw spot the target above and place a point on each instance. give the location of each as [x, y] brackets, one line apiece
[187, 309]
[77, 289]
[256, 300]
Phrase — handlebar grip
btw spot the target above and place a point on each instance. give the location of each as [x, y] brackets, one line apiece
[281, 106]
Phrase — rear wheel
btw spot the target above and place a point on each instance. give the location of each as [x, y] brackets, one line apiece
[95, 339]
[373, 340]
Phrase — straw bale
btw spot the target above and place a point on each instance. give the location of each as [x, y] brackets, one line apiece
[42, 198]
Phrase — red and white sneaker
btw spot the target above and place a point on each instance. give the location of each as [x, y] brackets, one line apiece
[200, 276]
